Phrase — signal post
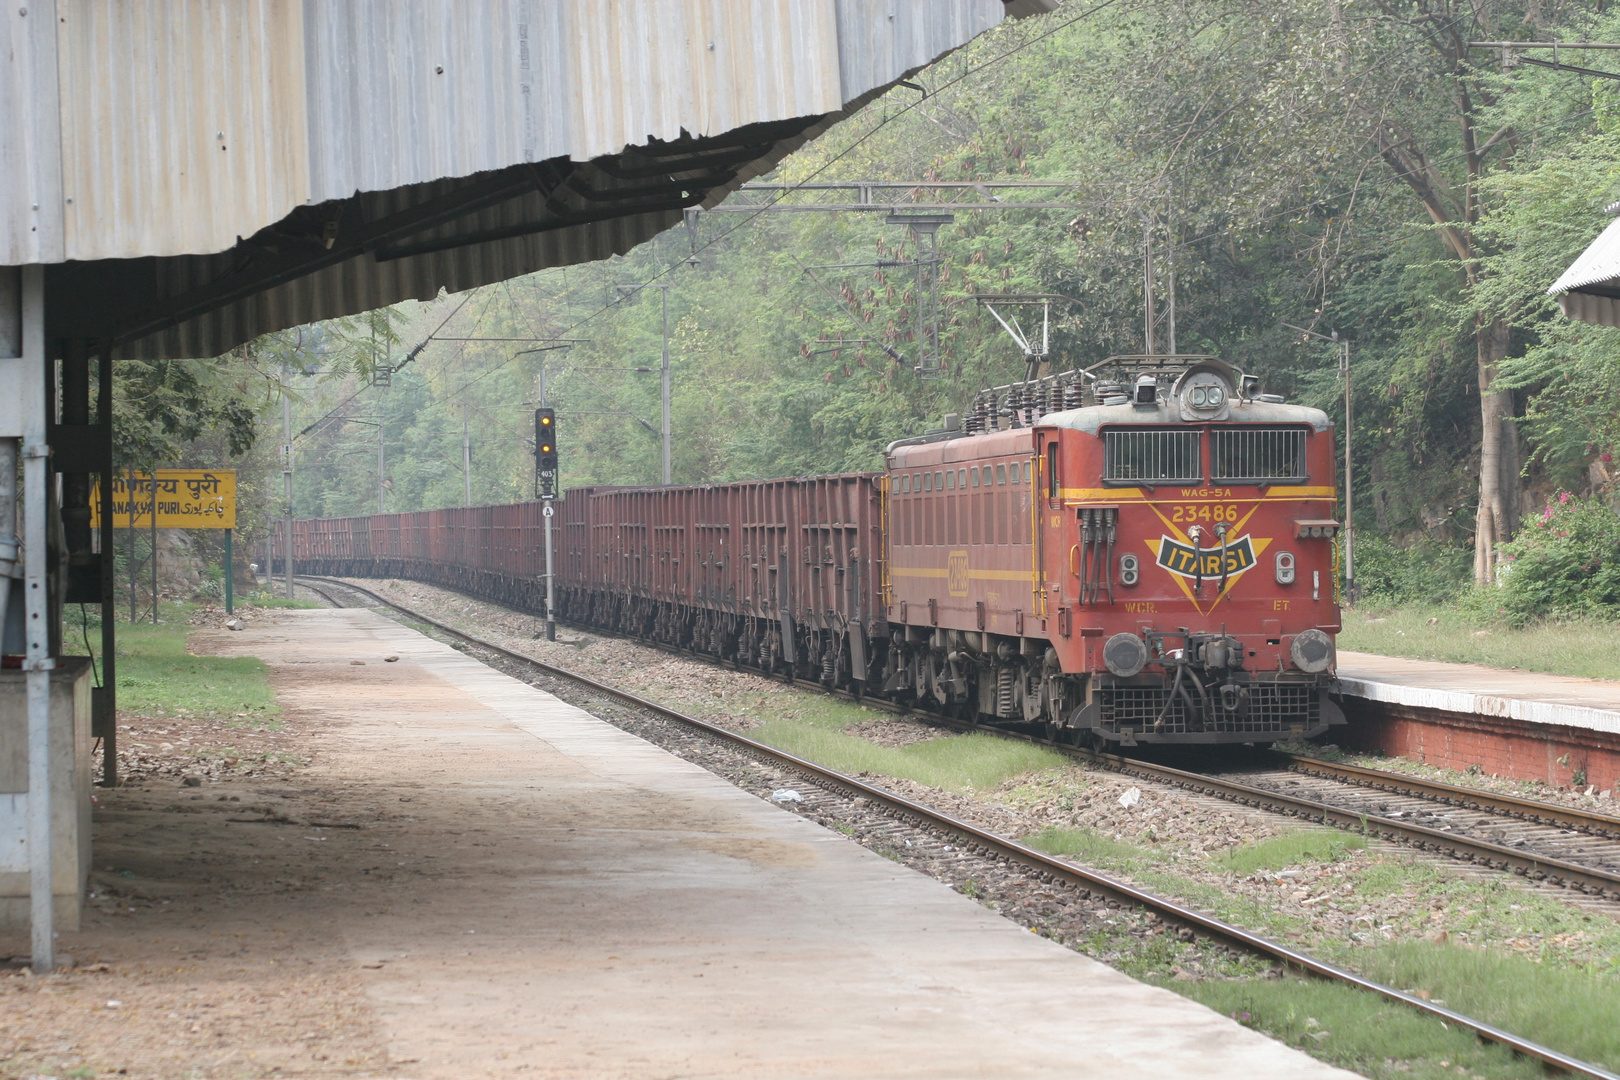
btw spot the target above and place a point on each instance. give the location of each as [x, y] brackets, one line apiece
[545, 483]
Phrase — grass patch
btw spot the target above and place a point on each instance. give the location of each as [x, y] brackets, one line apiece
[1291, 849]
[1155, 869]
[1579, 647]
[806, 709]
[1089, 846]
[158, 677]
[1356, 1030]
[1571, 1011]
[956, 762]
[269, 600]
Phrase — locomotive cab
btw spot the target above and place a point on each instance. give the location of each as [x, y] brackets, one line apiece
[1193, 541]
[1160, 568]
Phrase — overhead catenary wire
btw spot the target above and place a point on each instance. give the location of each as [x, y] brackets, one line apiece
[410, 356]
[787, 189]
[905, 109]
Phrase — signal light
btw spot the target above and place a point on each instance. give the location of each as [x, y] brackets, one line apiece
[545, 438]
[545, 449]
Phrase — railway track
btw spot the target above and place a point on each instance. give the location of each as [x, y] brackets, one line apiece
[971, 839]
[1557, 856]
[1571, 836]
[1510, 806]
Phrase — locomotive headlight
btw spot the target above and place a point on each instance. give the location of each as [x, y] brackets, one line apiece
[1130, 569]
[1204, 392]
[1285, 567]
[1125, 655]
[1311, 651]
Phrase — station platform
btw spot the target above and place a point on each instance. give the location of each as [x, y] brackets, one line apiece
[524, 888]
[1521, 724]
[1529, 696]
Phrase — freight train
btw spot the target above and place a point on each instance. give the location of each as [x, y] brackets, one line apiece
[1139, 552]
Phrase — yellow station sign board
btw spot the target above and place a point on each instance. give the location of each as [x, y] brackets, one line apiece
[186, 499]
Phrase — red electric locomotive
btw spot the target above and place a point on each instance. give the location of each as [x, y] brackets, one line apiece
[1156, 566]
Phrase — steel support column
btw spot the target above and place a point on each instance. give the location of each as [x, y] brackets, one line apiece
[29, 382]
[104, 699]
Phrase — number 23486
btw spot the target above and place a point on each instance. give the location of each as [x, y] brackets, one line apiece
[1205, 512]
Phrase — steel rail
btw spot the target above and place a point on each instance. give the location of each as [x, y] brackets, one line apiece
[1045, 866]
[1589, 879]
[1568, 817]
[1551, 869]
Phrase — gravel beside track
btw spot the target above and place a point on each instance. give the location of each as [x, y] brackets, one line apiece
[1574, 810]
[1322, 805]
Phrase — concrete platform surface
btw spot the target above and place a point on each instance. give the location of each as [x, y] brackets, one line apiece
[1471, 689]
[600, 907]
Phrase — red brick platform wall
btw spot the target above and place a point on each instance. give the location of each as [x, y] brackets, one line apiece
[1557, 755]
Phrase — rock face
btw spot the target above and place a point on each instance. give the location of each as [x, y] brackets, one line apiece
[246, 579]
[180, 569]
[183, 569]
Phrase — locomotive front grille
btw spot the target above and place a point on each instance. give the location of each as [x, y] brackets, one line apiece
[1131, 455]
[1280, 706]
[1271, 709]
[1256, 455]
[1138, 708]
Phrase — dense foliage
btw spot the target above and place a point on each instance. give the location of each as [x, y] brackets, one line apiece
[1420, 571]
[1348, 166]
[1565, 561]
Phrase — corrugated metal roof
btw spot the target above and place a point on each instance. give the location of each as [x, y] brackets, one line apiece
[30, 137]
[1585, 307]
[1600, 262]
[1589, 291]
[183, 126]
[362, 283]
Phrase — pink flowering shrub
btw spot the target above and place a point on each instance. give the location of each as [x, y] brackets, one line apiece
[1565, 560]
